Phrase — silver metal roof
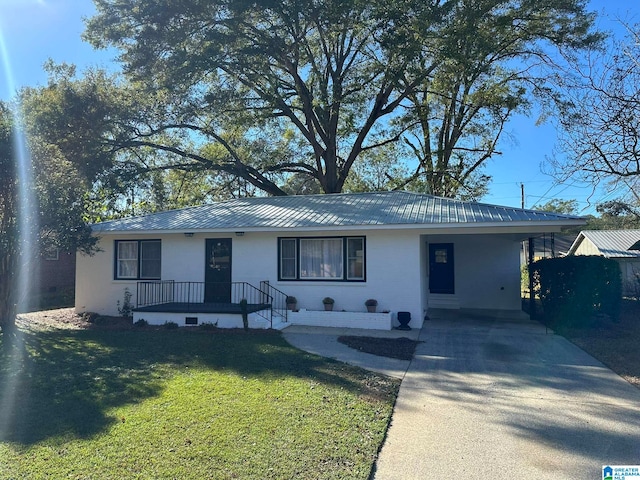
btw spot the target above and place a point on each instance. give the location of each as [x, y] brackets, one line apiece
[336, 210]
[611, 243]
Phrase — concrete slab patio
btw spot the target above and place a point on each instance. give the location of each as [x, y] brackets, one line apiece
[486, 398]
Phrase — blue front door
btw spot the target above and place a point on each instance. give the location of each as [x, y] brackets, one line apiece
[441, 268]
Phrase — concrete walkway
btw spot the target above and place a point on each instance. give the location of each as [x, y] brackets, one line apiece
[323, 341]
[487, 398]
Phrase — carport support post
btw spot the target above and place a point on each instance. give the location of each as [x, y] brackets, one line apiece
[532, 296]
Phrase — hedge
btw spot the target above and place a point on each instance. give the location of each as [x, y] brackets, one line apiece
[575, 290]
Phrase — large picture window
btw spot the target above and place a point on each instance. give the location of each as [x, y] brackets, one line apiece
[138, 259]
[328, 258]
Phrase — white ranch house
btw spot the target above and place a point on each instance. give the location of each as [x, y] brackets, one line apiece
[412, 253]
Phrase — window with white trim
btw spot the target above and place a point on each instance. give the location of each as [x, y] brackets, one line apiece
[322, 258]
[138, 259]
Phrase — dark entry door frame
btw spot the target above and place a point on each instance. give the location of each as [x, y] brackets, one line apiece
[217, 274]
[441, 268]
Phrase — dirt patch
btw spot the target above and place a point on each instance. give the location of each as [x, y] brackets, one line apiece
[68, 319]
[614, 343]
[401, 348]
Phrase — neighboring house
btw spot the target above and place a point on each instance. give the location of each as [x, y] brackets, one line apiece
[620, 245]
[412, 253]
[52, 280]
[57, 271]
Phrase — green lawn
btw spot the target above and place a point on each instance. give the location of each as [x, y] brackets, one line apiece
[174, 404]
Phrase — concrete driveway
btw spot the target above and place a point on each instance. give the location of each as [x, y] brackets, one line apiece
[506, 400]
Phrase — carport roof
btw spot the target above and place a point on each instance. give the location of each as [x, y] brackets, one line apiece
[356, 210]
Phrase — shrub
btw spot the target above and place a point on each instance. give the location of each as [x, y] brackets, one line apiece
[291, 299]
[171, 325]
[328, 301]
[127, 308]
[372, 302]
[141, 323]
[574, 290]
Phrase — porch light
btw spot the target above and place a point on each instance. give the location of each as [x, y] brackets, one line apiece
[239, 234]
[188, 234]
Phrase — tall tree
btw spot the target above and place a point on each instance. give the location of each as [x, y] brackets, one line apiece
[9, 241]
[600, 118]
[327, 71]
[56, 216]
[121, 136]
[497, 55]
[330, 77]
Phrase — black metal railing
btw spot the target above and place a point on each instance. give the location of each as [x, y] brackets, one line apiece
[279, 299]
[155, 293]
[192, 296]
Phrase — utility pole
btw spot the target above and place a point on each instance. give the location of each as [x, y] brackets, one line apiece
[529, 248]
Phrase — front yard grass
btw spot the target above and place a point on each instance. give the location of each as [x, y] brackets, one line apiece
[92, 404]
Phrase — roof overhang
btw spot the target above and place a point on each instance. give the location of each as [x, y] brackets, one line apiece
[521, 228]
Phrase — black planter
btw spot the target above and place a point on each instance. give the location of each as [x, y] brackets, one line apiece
[404, 318]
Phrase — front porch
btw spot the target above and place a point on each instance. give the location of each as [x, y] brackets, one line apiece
[220, 304]
[187, 307]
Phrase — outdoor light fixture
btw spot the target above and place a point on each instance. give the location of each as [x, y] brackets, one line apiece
[188, 234]
[239, 234]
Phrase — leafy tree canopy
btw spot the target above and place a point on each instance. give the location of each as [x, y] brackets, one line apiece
[56, 216]
[288, 88]
[558, 205]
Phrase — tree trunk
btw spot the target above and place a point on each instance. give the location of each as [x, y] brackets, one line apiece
[8, 282]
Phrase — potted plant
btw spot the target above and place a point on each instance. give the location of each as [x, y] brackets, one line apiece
[371, 305]
[328, 303]
[292, 302]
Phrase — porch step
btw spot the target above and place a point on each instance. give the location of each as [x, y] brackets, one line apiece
[279, 324]
[440, 301]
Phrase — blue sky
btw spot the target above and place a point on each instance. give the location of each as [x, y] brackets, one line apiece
[32, 31]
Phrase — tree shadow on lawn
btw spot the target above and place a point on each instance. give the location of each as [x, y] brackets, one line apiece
[63, 382]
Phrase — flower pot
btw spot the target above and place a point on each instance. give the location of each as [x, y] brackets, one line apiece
[404, 318]
[291, 306]
[371, 308]
[328, 307]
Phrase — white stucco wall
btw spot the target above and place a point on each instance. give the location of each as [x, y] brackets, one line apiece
[486, 269]
[96, 290]
[220, 320]
[392, 273]
[392, 263]
[183, 257]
